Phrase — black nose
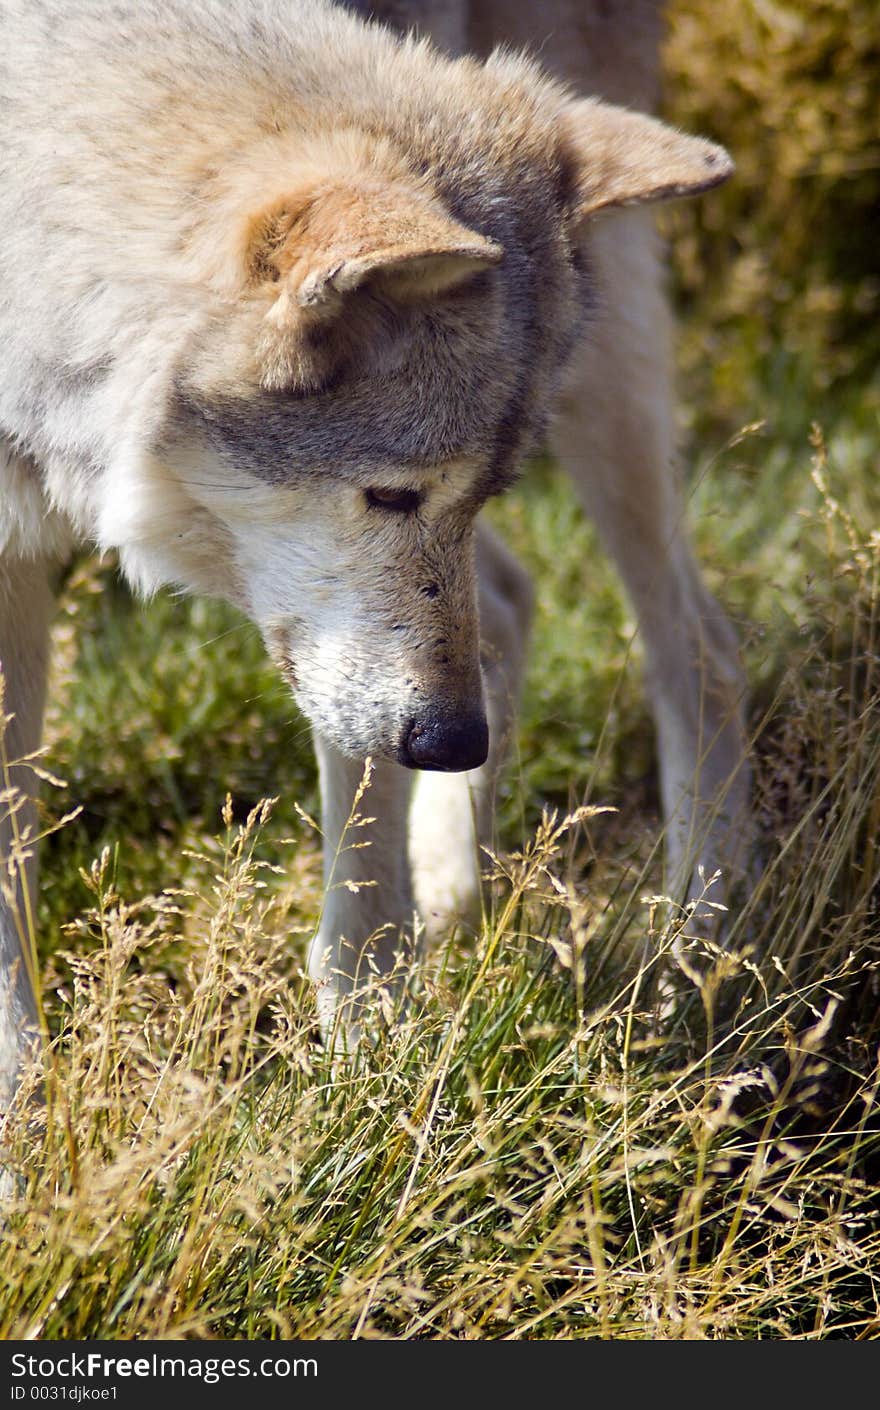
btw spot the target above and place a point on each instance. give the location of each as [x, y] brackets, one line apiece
[447, 744]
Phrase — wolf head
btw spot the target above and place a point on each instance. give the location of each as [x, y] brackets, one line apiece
[394, 269]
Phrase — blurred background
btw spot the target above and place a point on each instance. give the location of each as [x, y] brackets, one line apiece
[783, 264]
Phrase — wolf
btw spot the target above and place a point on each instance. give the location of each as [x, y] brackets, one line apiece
[288, 290]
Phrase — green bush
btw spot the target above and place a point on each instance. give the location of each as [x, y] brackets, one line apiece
[784, 257]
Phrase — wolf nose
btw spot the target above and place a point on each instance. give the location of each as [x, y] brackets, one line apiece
[449, 745]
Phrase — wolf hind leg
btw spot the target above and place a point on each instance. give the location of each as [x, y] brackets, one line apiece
[452, 815]
[615, 437]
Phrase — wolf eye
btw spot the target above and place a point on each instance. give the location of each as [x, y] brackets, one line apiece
[397, 501]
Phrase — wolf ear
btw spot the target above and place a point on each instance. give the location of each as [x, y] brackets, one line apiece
[312, 249]
[321, 245]
[621, 158]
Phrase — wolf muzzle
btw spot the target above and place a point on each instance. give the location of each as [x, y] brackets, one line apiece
[447, 745]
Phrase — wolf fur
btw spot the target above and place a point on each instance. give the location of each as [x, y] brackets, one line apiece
[284, 298]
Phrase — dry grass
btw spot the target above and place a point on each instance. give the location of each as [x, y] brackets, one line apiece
[570, 1134]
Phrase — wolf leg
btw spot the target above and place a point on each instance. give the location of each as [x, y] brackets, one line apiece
[452, 814]
[365, 939]
[25, 608]
[615, 437]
